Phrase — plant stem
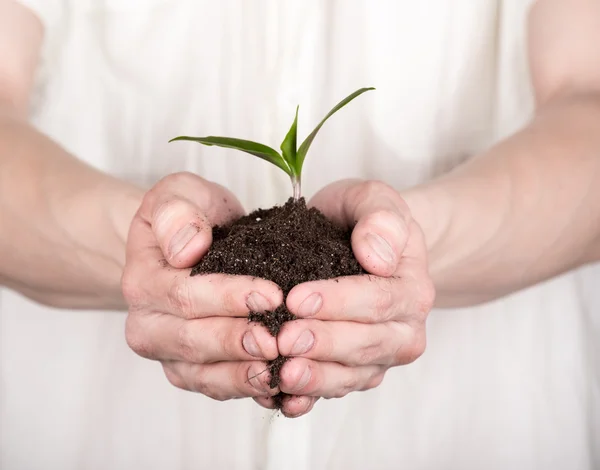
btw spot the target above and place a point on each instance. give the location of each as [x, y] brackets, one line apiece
[296, 185]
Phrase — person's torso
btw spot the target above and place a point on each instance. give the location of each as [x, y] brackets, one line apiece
[122, 77]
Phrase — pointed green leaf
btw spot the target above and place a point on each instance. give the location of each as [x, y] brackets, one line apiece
[303, 150]
[288, 146]
[253, 148]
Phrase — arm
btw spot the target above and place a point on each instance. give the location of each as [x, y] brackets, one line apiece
[526, 210]
[63, 225]
[74, 237]
[529, 208]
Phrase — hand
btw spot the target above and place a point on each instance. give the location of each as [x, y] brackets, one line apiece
[352, 330]
[197, 327]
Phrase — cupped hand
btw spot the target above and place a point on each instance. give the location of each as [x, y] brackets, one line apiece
[351, 330]
[197, 326]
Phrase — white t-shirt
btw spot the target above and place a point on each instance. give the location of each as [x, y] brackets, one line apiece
[513, 384]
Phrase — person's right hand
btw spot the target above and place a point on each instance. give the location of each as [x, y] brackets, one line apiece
[197, 327]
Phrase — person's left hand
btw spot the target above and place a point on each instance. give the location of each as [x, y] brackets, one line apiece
[353, 329]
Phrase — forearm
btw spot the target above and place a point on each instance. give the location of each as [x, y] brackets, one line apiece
[525, 211]
[63, 225]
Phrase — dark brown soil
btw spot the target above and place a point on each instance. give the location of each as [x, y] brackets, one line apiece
[288, 245]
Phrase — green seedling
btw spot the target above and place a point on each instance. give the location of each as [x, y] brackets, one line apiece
[291, 157]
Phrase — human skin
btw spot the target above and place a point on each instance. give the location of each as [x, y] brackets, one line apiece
[74, 237]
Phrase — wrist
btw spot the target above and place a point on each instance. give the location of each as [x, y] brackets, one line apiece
[121, 202]
[431, 208]
[100, 216]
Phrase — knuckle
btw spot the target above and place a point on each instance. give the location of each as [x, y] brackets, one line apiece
[184, 182]
[168, 191]
[225, 341]
[384, 217]
[372, 189]
[369, 354]
[185, 344]
[135, 338]
[229, 301]
[374, 381]
[425, 299]
[180, 177]
[207, 387]
[384, 300]
[380, 191]
[180, 296]
[413, 351]
[149, 198]
[171, 207]
[416, 351]
[421, 344]
[347, 386]
[325, 338]
[201, 384]
[174, 378]
[132, 290]
[177, 180]
[216, 394]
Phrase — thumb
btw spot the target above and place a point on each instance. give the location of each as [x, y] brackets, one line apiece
[183, 233]
[379, 217]
[178, 213]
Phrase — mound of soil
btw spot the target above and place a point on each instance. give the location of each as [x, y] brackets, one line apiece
[289, 245]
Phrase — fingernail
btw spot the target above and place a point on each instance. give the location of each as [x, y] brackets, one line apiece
[303, 380]
[254, 375]
[250, 345]
[303, 344]
[381, 247]
[311, 305]
[257, 303]
[182, 238]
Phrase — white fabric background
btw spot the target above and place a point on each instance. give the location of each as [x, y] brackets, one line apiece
[513, 384]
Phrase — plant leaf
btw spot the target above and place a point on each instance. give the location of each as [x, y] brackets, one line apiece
[253, 148]
[288, 146]
[303, 150]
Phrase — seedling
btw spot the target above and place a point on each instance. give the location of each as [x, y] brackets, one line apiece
[291, 157]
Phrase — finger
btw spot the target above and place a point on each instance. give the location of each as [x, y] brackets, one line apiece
[327, 379]
[220, 294]
[223, 380]
[378, 241]
[380, 217]
[265, 402]
[183, 233]
[181, 210]
[147, 245]
[293, 406]
[352, 344]
[366, 299]
[208, 340]
[178, 293]
[298, 405]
